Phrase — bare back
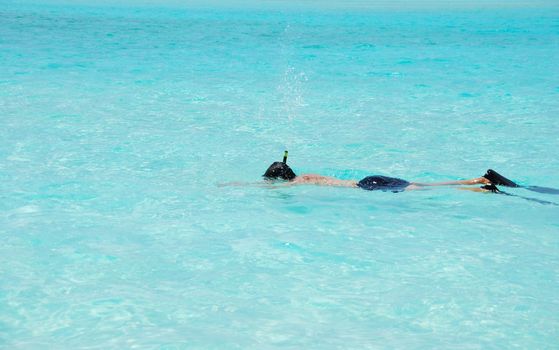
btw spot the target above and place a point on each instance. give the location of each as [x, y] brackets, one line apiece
[314, 179]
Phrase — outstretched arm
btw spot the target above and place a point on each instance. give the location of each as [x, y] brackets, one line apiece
[256, 184]
[238, 183]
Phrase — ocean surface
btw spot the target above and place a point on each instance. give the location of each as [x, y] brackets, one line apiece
[119, 126]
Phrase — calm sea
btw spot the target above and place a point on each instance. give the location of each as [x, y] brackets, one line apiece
[117, 126]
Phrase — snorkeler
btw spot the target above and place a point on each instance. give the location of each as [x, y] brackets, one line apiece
[280, 170]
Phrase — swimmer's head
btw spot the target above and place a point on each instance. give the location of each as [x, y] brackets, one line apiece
[279, 170]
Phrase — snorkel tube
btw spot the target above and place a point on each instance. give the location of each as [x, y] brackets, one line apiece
[280, 170]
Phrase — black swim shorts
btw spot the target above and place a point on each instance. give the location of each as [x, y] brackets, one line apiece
[383, 183]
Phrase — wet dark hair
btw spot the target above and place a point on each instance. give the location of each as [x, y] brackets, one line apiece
[279, 170]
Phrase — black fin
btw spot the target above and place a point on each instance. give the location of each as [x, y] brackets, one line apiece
[491, 188]
[497, 179]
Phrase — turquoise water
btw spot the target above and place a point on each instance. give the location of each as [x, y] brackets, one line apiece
[118, 125]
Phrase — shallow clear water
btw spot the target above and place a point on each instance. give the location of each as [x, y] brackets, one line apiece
[118, 124]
